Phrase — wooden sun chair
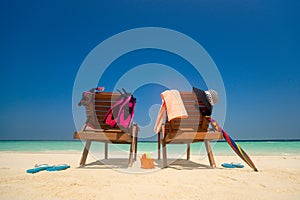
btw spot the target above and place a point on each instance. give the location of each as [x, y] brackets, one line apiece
[188, 130]
[97, 105]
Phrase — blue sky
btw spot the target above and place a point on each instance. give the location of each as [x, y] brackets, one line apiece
[255, 45]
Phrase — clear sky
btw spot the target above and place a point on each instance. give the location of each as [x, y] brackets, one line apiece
[255, 45]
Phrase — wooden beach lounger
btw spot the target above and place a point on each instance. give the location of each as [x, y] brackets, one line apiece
[95, 111]
[188, 130]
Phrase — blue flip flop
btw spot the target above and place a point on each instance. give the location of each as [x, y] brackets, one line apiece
[58, 167]
[228, 165]
[232, 165]
[237, 165]
[38, 168]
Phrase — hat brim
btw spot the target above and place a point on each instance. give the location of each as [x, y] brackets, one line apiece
[201, 96]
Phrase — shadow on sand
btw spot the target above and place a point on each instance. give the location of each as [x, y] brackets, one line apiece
[122, 163]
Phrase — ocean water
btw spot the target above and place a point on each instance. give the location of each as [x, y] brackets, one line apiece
[219, 148]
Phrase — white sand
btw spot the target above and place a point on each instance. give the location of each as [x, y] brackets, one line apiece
[278, 178]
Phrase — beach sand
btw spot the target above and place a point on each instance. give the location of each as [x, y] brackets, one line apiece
[278, 178]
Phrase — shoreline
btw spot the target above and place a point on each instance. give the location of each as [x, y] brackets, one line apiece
[153, 141]
[219, 148]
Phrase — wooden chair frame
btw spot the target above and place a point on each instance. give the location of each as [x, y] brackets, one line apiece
[186, 131]
[95, 111]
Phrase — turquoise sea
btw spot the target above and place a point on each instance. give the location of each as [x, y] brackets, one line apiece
[219, 148]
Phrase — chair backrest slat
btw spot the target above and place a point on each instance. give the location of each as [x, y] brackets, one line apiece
[195, 122]
[101, 104]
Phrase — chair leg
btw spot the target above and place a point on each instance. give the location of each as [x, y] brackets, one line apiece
[188, 152]
[210, 154]
[132, 145]
[131, 153]
[164, 146]
[106, 151]
[158, 147]
[85, 152]
[135, 149]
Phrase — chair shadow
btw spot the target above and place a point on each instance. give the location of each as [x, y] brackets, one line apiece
[122, 163]
[112, 163]
[183, 164]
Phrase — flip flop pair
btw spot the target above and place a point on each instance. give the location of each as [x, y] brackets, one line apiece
[232, 165]
[42, 167]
